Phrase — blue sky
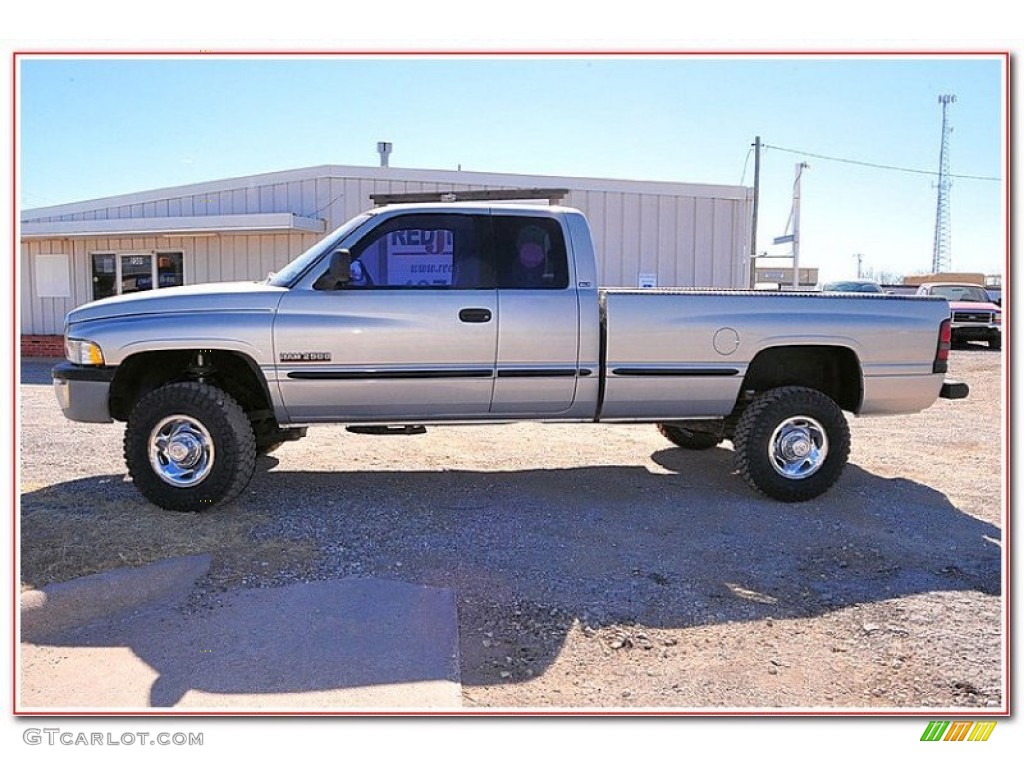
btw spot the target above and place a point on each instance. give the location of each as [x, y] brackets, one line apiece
[92, 127]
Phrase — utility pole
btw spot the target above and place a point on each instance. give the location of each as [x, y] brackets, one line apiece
[793, 227]
[757, 196]
[860, 259]
[796, 224]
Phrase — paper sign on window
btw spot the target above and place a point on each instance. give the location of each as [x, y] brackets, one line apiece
[420, 257]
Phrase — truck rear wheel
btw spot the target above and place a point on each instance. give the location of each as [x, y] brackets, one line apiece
[792, 443]
[189, 446]
[688, 438]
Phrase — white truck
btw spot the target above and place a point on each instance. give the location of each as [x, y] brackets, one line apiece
[473, 314]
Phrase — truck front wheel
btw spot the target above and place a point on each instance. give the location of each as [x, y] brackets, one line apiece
[792, 443]
[189, 446]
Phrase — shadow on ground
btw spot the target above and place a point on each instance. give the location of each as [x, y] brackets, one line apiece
[541, 549]
[36, 370]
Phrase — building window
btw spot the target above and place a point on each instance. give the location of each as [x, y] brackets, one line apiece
[170, 269]
[104, 275]
[118, 273]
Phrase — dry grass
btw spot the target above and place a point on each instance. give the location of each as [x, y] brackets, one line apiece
[62, 538]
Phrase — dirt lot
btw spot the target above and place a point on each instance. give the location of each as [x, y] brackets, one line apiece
[600, 566]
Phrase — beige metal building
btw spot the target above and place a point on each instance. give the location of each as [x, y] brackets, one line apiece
[647, 233]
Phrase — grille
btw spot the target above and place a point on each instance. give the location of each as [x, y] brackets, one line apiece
[972, 317]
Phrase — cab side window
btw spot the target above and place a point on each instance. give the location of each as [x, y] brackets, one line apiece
[425, 251]
[530, 253]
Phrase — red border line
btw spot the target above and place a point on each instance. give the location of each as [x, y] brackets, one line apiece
[1007, 392]
[625, 53]
[15, 382]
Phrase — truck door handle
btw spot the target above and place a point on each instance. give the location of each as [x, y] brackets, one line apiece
[473, 315]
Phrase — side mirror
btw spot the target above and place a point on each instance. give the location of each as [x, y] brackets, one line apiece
[339, 272]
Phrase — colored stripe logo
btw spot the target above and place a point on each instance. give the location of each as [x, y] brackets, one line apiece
[958, 730]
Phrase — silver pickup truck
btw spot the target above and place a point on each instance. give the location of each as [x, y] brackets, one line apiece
[414, 315]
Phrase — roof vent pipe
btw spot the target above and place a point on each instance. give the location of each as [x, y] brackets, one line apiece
[384, 148]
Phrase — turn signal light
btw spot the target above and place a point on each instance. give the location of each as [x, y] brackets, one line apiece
[941, 364]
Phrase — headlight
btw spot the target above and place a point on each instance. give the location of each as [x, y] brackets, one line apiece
[997, 318]
[83, 352]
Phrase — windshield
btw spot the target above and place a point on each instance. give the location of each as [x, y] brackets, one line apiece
[297, 266]
[852, 285]
[960, 292]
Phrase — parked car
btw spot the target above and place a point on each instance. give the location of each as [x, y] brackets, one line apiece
[853, 286]
[898, 289]
[975, 317]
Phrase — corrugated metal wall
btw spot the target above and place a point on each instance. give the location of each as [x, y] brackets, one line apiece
[685, 241]
[206, 259]
[687, 235]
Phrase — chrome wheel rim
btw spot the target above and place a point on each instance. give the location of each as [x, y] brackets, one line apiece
[181, 451]
[798, 447]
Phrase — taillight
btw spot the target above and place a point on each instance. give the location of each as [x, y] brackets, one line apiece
[941, 364]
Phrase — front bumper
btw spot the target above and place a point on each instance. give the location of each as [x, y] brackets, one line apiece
[83, 392]
[976, 332]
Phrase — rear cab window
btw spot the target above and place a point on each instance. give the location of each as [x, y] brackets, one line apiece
[530, 253]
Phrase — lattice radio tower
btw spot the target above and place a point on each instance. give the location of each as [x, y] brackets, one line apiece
[940, 251]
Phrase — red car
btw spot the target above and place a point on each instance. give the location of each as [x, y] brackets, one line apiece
[974, 316]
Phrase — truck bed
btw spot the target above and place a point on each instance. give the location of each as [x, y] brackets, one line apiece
[683, 353]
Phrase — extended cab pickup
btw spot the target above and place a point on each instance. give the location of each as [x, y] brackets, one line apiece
[469, 313]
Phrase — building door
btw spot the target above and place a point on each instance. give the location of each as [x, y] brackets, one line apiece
[136, 272]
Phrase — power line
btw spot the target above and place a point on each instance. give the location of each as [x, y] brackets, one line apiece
[324, 208]
[878, 166]
[745, 164]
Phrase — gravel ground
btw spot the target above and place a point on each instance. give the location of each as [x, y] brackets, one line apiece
[599, 566]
